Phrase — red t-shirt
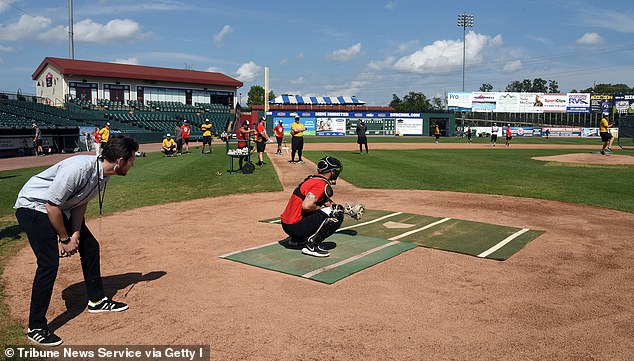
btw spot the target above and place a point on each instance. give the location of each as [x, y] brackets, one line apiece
[279, 131]
[185, 129]
[242, 136]
[261, 129]
[294, 212]
[96, 136]
[508, 132]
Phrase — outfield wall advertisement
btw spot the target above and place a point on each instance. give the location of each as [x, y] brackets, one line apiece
[624, 103]
[344, 123]
[510, 102]
[412, 126]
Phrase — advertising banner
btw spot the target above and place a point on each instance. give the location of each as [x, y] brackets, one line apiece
[459, 101]
[331, 127]
[531, 102]
[483, 102]
[578, 103]
[409, 126]
[555, 103]
[507, 103]
[624, 103]
[525, 132]
[564, 132]
[601, 103]
[308, 122]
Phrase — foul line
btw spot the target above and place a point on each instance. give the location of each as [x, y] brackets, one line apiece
[247, 249]
[348, 260]
[368, 222]
[418, 229]
[503, 242]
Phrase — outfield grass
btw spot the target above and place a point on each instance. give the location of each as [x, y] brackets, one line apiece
[509, 172]
[455, 140]
[157, 180]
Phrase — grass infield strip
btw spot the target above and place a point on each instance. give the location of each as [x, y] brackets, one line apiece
[477, 239]
[349, 254]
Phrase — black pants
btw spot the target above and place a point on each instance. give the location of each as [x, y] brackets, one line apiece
[310, 224]
[43, 241]
[297, 146]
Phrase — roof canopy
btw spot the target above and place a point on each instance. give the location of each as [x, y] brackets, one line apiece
[297, 99]
[127, 71]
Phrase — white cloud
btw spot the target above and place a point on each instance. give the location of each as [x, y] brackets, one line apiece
[446, 55]
[390, 5]
[407, 45]
[381, 64]
[298, 81]
[345, 54]
[222, 35]
[131, 61]
[283, 61]
[6, 49]
[213, 69]
[92, 32]
[25, 27]
[590, 39]
[512, 66]
[248, 71]
[300, 56]
[616, 20]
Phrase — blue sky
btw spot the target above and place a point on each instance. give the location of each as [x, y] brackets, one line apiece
[369, 49]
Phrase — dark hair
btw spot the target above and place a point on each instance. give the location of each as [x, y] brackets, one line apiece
[119, 146]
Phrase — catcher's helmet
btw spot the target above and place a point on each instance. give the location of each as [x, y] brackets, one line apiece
[330, 163]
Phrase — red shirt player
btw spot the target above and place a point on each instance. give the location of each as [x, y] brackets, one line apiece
[243, 135]
[310, 215]
[186, 129]
[279, 136]
[509, 135]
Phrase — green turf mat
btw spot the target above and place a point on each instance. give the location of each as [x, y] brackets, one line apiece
[455, 235]
[348, 254]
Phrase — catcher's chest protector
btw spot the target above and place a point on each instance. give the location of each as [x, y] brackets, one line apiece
[328, 191]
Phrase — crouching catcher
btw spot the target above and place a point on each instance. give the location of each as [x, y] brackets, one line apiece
[310, 215]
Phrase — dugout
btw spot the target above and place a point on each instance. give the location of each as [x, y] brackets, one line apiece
[19, 142]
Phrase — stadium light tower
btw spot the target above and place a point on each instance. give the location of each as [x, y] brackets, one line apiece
[464, 21]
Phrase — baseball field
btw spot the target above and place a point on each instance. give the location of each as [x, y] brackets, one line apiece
[171, 226]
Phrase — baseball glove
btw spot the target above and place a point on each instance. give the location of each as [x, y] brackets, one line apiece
[355, 210]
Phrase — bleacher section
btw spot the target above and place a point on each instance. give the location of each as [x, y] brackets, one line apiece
[133, 117]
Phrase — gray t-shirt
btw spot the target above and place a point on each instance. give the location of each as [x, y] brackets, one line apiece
[178, 133]
[68, 184]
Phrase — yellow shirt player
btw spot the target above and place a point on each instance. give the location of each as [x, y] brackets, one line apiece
[297, 139]
[104, 133]
[169, 146]
[206, 128]
[606, 136]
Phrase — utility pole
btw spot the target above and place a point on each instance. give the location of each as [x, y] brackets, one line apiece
[464, 21]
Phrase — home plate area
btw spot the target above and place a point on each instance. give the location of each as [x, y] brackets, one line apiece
[381, 235]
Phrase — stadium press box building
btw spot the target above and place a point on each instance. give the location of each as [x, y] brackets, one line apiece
[58, 80]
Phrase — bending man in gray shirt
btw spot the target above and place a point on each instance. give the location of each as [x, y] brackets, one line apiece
[51, 208]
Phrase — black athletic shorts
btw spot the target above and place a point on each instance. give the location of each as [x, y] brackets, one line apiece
[605, 136]
[207, 139]
[261, 146]
[279, 140]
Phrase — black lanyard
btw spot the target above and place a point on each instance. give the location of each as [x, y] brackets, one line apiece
[101, 197]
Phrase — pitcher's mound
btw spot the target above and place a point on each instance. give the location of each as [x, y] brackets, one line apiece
[589, 158]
